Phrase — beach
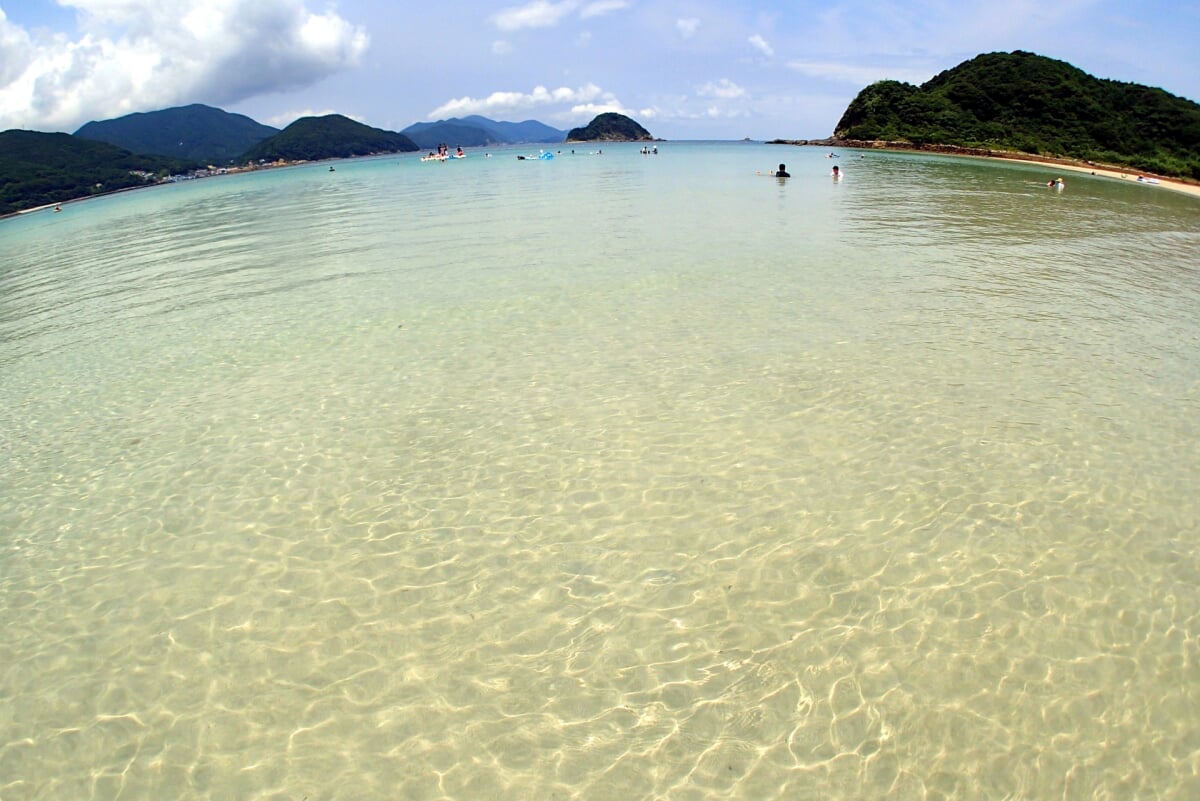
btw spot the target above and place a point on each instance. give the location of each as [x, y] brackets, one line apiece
[1172, 184]
[1070, 165]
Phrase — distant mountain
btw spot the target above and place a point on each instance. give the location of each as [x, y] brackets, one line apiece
[1025, 102]
[330, 137]
[454, 134]
[40, 168]
[196, 132]
[477, 131]
[610, 127]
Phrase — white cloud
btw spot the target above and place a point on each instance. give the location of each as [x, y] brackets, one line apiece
[585, 112]
[501, 48]
[687, 27]
[547, 14]
[16, 49]
[724, 89]
[538, 14]
[761, 45]
[602, 7]
[580, 104]
[857, 74]
[592, 109]
[138, 55]
[501, 103]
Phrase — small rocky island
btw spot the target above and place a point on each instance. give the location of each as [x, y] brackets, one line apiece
[610, 127]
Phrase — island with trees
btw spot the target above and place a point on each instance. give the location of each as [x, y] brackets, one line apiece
[610, 127]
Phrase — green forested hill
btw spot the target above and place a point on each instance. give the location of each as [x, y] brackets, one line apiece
[330, 137]
[610, 127]
[196, 132]
[39, 168]
[475, 131]
[429, 137]
[1025, 102]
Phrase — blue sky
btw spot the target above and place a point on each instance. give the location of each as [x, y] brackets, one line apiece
[684, 69]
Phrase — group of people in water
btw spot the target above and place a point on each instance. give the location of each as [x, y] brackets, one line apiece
[835, 174]
[443, 153]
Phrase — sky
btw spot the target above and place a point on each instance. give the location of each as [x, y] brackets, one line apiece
[684, 69]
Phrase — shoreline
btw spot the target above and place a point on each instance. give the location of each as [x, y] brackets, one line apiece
[222, 171]
[1072, 165]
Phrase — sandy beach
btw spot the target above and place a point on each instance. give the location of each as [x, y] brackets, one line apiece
[1114, 172]
[1053, 165]
[1062, 165]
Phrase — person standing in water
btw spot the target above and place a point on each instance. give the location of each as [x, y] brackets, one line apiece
[782, 172]
[837, 174]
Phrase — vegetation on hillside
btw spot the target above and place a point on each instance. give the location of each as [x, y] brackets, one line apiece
[196, 133]
[41, 168]
[448, 133]
[1024, 102]
[477, 131]
[330, 137]
[610, 127]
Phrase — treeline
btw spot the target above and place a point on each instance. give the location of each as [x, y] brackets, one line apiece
[328, 137]
[196, 133]
[1033, 104]
[41, 168]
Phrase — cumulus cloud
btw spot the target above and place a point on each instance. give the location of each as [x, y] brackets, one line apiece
[139, 55]
[16, 49]
[724, 89]
[585, 99]
[761, 45]
[687, 27]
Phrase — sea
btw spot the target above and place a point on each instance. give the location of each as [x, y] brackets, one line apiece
[604, 476]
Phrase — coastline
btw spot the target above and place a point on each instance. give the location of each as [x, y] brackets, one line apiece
[1072, 165]
[217, 173]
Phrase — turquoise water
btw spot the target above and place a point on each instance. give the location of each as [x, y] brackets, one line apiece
[606, 477]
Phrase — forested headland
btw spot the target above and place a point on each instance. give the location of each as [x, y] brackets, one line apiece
[1031, 104]
[41, 168]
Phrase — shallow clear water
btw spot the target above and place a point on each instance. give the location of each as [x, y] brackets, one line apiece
[607, 477]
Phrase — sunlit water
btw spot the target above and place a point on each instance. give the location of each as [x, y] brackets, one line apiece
[607, 477]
